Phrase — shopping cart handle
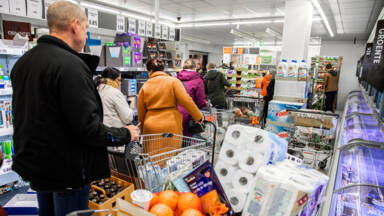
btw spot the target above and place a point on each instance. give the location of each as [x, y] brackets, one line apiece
[88, 212]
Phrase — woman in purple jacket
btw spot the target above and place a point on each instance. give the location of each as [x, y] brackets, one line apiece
[194, 84]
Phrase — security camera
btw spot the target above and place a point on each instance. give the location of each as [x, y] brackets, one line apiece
[178, 19]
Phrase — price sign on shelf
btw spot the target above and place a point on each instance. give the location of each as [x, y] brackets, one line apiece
[132, 25]
[172, 34]
[164, 32]
[158, 31]
[120, 23]
[93, 18]
[141, 28]
[149, 29]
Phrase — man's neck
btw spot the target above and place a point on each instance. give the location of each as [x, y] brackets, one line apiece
[63, 37]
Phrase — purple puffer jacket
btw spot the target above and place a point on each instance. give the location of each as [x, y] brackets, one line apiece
[194, 84]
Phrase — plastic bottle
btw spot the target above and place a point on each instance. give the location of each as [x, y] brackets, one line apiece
[282, 68]
[1, 70]
[302, 71]
[292, 69]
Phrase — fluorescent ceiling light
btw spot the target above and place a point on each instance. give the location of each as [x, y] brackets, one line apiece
[204, 24]
[325, 20]
[193, 39]
[99, 8]
[252, 22]
[278, 21]
[280, 11]
[136, 16]
[73, 1]
[274, 33]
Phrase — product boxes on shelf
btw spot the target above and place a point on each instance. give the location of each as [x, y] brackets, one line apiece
[278, 110]
[281, 131]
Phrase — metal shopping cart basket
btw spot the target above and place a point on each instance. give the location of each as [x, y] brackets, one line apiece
[222, 118]
[162, 155]
[246, 109]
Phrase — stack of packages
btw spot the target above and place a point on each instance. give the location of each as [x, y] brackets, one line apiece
[244, 151]
[259, 181]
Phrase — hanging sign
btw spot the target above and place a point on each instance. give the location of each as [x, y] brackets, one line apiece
[93, 18]
[18, 7]
[227, 50]
[164, 32]
[120, 23]
[158, 31]
[47, 3]
[4, 6]
[132, 25]
[172, 34]
[149, 29]
[35, 9]
[376, 67]
[141, 28]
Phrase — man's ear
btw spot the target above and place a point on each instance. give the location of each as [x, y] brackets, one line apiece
[74, 26]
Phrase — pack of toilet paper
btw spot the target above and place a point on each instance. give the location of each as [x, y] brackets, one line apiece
[285, 189]
[246, 149]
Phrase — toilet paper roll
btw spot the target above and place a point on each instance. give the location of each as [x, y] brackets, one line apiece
[234, 135]
[242, 181]
[250, 161]
[228, 154]
[256, 138]
[237, 200]
[224, 171]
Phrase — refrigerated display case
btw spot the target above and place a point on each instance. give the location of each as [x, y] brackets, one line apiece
[357, 175]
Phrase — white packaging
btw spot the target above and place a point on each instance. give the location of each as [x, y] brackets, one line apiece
[293, 69]
[18, 7]
[242, 181]
[228, 154]
[282, 68]
[4, 6]
[224, 171]
[237, 199]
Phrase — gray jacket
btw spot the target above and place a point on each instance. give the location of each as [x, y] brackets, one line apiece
[117, 112]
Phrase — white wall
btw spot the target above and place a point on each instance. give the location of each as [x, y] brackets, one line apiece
[351, 54]
[215, 52]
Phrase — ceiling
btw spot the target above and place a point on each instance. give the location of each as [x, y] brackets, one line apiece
[348, 19]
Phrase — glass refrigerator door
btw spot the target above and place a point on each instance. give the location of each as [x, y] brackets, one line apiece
[358, 107]
[356, 201]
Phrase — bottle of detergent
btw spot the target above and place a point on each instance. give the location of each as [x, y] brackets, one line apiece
[282, 68]
[292, 69]
[303, 71]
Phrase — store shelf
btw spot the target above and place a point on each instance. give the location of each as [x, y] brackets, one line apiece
[6, 131]
[101, 68]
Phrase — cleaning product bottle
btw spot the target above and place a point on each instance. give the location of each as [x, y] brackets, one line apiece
[282, 68]
[302, 71]
[292, 69]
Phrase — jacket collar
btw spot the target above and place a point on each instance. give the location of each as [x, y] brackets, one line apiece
[158, 73]
[91, 60]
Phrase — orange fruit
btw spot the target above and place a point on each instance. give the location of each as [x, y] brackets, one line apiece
[161, 210]
[154, 200]
[169, 198]
[189, 201]
[191, 212]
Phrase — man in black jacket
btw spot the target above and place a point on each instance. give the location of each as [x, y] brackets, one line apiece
[60, 142]
[267, 98]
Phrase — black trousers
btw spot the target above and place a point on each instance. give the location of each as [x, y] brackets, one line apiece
[329, 98]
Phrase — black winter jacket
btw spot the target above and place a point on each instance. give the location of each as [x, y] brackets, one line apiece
[214, 83]
[60, 141]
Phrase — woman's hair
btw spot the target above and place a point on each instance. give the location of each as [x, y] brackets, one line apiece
[155, 65]
[189, 64]
[108, 73]
[211, 66]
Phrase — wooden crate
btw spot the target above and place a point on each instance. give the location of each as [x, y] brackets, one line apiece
[111, 202]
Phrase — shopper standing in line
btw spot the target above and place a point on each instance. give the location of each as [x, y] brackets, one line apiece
[264, 84]
[194, 84]
[60, 142]
[117, 112]
[215, 83]
[331, 82]
[158, 103]
[268, 97]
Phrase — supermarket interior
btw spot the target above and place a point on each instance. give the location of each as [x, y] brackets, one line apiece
[192, 107]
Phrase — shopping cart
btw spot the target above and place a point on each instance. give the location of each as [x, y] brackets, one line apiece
[246, 109]
[163, 155]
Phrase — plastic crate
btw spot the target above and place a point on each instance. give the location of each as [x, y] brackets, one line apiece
[111, 202]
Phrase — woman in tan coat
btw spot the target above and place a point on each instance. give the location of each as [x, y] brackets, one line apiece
[157, 107]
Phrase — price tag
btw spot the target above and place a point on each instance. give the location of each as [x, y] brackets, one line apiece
[141, 28]
[93, 18]
[149, 29]
[164, 32]
[172, 34]
[158, 31]
[132, 25]
[120, 23]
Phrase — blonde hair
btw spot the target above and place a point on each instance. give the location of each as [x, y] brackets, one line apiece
[61, 14]
[211, 66]
[189, 64]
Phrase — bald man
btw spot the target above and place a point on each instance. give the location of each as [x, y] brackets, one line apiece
[60, 141]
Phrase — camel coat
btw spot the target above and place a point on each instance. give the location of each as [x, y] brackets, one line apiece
[157, 108]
